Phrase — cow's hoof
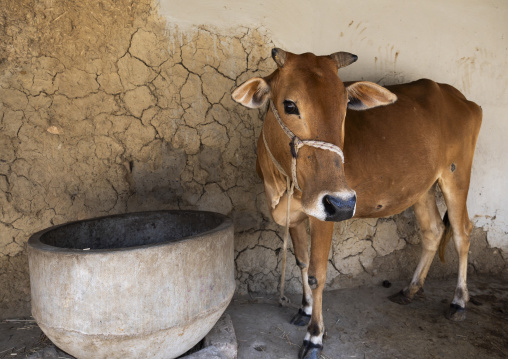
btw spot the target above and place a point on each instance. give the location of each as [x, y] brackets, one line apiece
[403, 299]
[400, 298]
[300, 319]
[456, 313]
[310, 350]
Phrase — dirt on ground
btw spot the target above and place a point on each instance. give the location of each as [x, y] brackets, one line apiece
[361, 323]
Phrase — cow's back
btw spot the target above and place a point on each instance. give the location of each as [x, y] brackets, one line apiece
[396, 152]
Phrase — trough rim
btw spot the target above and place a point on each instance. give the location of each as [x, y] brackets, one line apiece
[34, 242]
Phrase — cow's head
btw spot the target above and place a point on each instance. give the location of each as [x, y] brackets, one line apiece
[312, 101]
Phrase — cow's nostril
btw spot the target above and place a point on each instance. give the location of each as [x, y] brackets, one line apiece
[339, 209]
[329, 207]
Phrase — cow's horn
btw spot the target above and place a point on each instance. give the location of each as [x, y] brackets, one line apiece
[279, 56]
[343, 59]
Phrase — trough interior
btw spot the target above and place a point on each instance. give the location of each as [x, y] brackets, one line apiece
[130, 230]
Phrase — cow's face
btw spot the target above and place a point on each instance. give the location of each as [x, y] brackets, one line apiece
[311, 101]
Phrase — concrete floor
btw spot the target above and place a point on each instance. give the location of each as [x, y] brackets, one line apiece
[361, 323]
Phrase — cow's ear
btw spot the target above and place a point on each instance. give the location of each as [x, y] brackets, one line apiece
[252, 93]
[363, 95]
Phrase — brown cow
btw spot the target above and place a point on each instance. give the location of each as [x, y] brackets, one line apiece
[392, 158]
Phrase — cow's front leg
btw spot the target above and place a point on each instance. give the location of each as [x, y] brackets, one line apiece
[321, 239]
[301, 248]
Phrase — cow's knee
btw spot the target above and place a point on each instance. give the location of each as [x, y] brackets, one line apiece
[313, 282]
[300, 264]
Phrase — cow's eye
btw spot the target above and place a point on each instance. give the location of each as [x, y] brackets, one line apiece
[290, 108]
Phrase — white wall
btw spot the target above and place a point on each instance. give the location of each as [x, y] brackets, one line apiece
[460, 42]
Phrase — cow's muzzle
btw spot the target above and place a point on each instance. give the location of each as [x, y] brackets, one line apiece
[339, 209]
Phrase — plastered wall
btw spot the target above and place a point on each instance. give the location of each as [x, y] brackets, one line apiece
[460, 42]
[119, 106]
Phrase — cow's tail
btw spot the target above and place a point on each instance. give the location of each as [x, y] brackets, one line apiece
[445, 238]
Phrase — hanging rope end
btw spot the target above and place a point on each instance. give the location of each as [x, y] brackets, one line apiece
[284, 301]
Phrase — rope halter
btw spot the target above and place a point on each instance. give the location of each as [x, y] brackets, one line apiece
[295, 145]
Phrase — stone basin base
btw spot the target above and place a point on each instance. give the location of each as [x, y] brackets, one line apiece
[122, 346]
[219, 343]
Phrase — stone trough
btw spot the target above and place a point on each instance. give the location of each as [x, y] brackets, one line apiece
[141, 285]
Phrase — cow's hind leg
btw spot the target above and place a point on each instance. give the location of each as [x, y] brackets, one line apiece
[432, 229]
[455, 187]
[321, 238]
[301, 248]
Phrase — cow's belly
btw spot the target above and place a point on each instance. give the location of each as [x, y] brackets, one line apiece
[388, 196]
[384, 206]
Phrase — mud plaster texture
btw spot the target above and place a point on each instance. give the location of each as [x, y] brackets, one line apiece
[103, 111]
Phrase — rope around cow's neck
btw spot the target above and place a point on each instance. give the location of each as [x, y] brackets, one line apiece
[295, 145]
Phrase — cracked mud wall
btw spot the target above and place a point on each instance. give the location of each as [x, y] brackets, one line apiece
[103, 110]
